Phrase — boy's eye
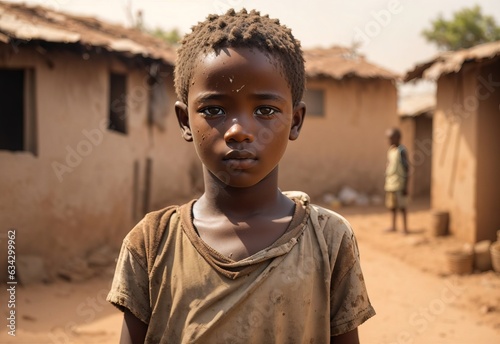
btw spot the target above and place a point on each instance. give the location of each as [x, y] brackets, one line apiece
[265, 111]
[212, 111]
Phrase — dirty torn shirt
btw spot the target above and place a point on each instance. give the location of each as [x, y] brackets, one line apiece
[304, 288]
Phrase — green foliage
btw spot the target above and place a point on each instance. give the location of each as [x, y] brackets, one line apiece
[172, 36]
[467, 28]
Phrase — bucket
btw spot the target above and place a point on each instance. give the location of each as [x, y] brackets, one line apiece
[482, 255]
[440, 220]
[495, 255]
[460, 262]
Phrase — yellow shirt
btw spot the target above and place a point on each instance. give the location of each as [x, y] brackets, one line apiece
[304, 288]
[395, 173]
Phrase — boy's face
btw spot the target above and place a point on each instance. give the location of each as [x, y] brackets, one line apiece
[394, 139]
[239, 115]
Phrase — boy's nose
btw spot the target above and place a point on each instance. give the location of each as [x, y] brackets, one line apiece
[238, 132]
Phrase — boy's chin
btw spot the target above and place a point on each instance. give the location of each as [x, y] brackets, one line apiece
[238, 180]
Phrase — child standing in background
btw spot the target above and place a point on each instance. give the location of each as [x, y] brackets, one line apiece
[396, 178]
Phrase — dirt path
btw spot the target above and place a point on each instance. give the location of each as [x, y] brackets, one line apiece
[416, 300]
[415, 307]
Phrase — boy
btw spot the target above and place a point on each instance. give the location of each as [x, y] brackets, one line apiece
[396, 178]
[244, 263]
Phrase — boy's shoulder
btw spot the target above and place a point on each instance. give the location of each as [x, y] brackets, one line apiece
[322, 218]
[143, 240]
[153, 221]
[333, 232]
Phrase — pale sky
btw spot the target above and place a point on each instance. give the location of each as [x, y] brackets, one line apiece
[390, 30]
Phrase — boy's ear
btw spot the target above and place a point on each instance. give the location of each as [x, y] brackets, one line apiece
[299, 112]
[181, 110]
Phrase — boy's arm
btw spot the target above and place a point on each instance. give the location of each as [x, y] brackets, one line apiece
[133, 330]
[349, 302]
[406, 166]
[350, 337]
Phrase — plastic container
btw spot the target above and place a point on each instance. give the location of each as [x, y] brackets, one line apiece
[460, 262]
[482, 255]
[440, 222]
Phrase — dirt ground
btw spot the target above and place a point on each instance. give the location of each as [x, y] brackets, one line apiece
[416, 298]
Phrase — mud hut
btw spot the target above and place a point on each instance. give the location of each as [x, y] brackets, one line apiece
[465, 138]
[88, 136]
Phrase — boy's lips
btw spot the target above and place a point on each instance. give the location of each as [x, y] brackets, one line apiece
[240, 159]
[239, 155]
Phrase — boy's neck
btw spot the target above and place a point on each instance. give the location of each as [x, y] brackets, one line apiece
[220, 198]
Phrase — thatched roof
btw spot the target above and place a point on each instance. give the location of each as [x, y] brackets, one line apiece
[339, 63]
[23, 24]
[453, 61]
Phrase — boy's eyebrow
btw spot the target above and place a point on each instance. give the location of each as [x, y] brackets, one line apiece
[269, 96]
[207, 96]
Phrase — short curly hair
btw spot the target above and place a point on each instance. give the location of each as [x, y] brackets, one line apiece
[241, 30]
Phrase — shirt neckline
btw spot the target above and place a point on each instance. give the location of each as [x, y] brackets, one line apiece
[233, 269]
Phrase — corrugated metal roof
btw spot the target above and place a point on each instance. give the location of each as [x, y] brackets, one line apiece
[452, 61]
[20, 22]
[338, 63]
